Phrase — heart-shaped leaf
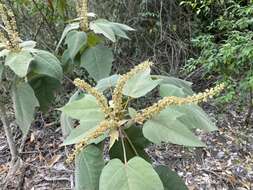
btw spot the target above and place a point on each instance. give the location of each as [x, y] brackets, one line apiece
[78, 134]
[107, 83]
[19, 62]
[193, 116]
[166, 127]
[137, 174]
[97, 61]
[85, 109]
[75, 41]
[89, 164]
[170, 179]
[67, 123]
[44, 88]
[67, 29]
[25, 102]
[140, 84]
[110, 29]
[46, 63]
[135, 143]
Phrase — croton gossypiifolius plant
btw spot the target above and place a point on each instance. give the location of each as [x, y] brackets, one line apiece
[29, 75]
[109, 126]
[171, 120]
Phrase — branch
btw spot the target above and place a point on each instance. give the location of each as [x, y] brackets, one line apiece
[9, 136]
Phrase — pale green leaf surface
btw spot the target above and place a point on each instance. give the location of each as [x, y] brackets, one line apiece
[102, 26]
[166, 127]
[25, 102]
[107, 83]
[88, 167]
[28, 45]
[67, 123]
[78, 134]
[140, 84]
[137, 174]
[132, 112]
[46, 63]
[182, 84]
[66, 30]
[86, 108]
[171, 90]
[110, 29]
[97, 61]
[193, 115]
[19, 62]
[195, 118]
[4, 52]
[75, 41]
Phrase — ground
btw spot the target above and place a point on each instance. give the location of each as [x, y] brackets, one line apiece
[225, 164]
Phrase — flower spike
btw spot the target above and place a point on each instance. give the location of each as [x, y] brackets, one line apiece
[156, 108]
[102, 101]
[118, 95]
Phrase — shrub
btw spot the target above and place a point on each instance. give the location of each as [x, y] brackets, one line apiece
[28, 78]
[105, 111]
[226, 50]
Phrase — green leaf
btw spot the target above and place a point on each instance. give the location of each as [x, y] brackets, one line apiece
[19, 62]
[194, 117]
[4, 52]
[24, 102]
[182, 84]
[88, 167]
[97, 61]
[44, 88]
[46, 63]
[93, 40]
[170, 179]
[132, 112]
[140, 84]
[137, 174]
[171, 90]
[85, 109]
[102, 27]
[75, 41]
[66, 122]
[67, 29]
[137, 140]
[107, 83]
[28, 45]
[110, 29]
[166, 127]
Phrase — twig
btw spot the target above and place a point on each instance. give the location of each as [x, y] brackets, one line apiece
[51, 30]
[131, 144]
[9, 136]
[123, 146]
